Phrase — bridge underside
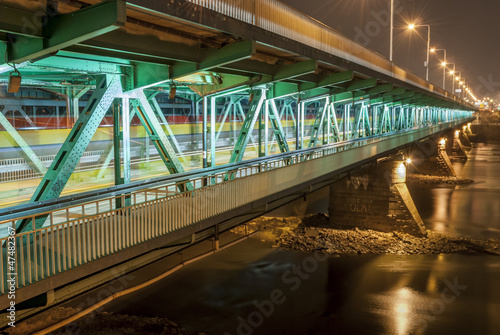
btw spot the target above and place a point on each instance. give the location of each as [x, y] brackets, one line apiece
[231, 117]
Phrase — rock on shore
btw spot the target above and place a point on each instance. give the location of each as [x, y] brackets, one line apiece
[315, 234]
[98, 323]
[425, 179]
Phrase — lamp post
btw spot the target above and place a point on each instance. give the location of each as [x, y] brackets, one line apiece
[444, 66]
[413, 26]
[452, 72]
[392, 30]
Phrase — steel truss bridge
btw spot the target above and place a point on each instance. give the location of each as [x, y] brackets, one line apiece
[254, 62]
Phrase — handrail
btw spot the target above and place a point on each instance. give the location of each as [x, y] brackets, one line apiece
[51, 205]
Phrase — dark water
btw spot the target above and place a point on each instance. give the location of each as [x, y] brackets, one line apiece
[254, 289]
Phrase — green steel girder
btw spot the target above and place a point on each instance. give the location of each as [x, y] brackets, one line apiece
[318, 123]
[309, 90]
[295, 70]
[275, 120]
[247, 128]
[394, 92]
[26, 152]
[289, 71]
[215, 58]
[282, 90]
[379, 89]
[142, 48]
[344, 97]
[144, 75]
[157, 135]
[74, 146]
[61, 31]
[361, 85]
[329, 80]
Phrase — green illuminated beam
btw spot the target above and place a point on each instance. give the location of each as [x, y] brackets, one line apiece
[68, 29]
[216, 57]
[108, 87]
[247, 128]
[158, 136]
[281, 89]
[362, 84]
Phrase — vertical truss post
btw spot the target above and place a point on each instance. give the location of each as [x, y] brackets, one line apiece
[26, 152]
[213, 115]
[347, 121]
[278, 128]
[302, 124]
[374, 110]
[205, 131]
[297, 124]
[122, 134]
[327, 129]
[247, 128]
[261, 128]
[157, 135]
[126, 140]
[266, 129]
[52, 184]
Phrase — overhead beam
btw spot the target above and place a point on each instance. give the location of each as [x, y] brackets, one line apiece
[65, 30]
[215, 58]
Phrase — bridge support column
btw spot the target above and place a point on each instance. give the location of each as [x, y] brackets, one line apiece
[375, 198]
[458, 149]
[431, 158]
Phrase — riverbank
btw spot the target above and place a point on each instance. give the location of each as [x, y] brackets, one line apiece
[315, 234]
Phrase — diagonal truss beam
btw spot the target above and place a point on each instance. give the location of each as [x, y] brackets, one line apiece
[275, 119]
[247, 127]
[157, 135]
[58, 174]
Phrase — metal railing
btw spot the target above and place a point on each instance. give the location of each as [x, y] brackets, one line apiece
[93, 225]
[12, 169]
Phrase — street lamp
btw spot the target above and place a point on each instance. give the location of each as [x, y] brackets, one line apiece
[444, 65]
[412, 27]
[392, 30]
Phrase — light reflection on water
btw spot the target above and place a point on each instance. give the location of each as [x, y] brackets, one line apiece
[368, 294]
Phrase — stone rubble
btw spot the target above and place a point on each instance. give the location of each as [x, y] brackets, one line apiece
[426, 179]
[98, 323]
[315, 234]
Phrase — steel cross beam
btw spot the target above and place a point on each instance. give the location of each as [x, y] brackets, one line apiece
[61, 31]
[108, 87]
[26, 152]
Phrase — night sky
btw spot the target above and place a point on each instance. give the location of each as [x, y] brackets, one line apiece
[469, 30]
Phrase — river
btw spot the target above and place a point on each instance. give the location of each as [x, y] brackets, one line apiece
[252, 288]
